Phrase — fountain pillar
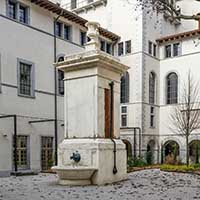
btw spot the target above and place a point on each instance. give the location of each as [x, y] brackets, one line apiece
[92, 151]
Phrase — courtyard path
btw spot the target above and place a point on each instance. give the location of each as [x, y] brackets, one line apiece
[142, 185]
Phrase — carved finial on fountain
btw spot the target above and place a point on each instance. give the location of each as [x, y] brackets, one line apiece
[93, 34]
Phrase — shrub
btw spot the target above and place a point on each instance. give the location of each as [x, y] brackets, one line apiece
[177, 168]
[136, 162]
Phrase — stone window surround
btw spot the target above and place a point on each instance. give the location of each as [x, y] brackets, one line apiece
[172, 50]
[63, 24]
[28, 152]
[18, 3]
[19, 60]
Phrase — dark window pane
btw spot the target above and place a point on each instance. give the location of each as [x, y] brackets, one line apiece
[128, 46]
[25, 79]
[150, 48]
[73, 4]
[152, 85]
[67, 32]
[125, 88]
[176, 49]
[12, 9]
[168, 52]
[60, 82]
[124, 109]
[120, 49]
[58, 29]
[23, 14]
[103, 46]
[172, 88]
[124, 120]
[154, 50]
[83, 38]
[108, 48]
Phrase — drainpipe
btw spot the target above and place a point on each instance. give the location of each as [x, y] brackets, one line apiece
[14, 138]
[55, 89]
[111, 125]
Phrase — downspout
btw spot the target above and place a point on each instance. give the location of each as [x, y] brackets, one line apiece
[55, 89]
[15, 136]
[111, 124]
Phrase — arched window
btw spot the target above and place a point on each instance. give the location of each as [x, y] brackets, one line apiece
[125, 88]
[61, 59]
[172, 88]
[152, 87]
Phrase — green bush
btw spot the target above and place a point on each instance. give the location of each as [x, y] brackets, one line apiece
[136, 162]
[196, 166]
[178, 168]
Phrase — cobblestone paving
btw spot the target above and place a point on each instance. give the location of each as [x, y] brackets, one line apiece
[143, 185]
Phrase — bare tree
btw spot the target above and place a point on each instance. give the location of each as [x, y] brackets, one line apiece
[185, 117]
[169, 6]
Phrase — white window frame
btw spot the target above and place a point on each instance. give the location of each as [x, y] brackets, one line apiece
[19, 60]
[124, 114]
[17, 11]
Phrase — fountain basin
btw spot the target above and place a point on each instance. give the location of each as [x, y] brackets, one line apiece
[75, 175]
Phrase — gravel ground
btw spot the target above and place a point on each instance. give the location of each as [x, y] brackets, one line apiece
[142, 185]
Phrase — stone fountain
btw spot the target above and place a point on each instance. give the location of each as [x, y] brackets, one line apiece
[92, 151]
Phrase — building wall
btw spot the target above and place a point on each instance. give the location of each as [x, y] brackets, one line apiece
[33, 43]
[181, 65]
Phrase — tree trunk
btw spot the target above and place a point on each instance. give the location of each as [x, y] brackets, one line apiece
[187, 151]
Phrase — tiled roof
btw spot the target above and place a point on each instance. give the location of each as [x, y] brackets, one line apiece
[55, 8]
[179, 36]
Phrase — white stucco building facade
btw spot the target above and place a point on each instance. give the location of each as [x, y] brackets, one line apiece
[27, 80]
[140, 40]
[145, 39]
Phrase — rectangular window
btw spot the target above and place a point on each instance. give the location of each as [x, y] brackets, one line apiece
[23, 14]
[108, 48]
[103, 45]
[67, 32]
[46, 153]
[60, 82]
[22, 152]
[150, 47]
[128, 47]
[168, 51]
[154, 50]
[152, 117]
[73, 4]
[83, 38]
[124, 116]
[120, 48]
[176, 49]
[25, 78]
[12, 9]
[18, 11]
[59, 29]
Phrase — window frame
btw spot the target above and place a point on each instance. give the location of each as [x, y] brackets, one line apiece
[70, 31]
[125, 84]
[171, 100]
[32, 88]
[83, 41]
[124, 114]
[59, 82]
[121, 49]
[153, 91]
[27, 166]
[128, 47]
[152, 117]
[17, 11]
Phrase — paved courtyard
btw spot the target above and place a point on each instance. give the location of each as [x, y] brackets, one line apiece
[147, 185]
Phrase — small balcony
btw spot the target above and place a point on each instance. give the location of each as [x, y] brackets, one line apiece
[78, 6]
